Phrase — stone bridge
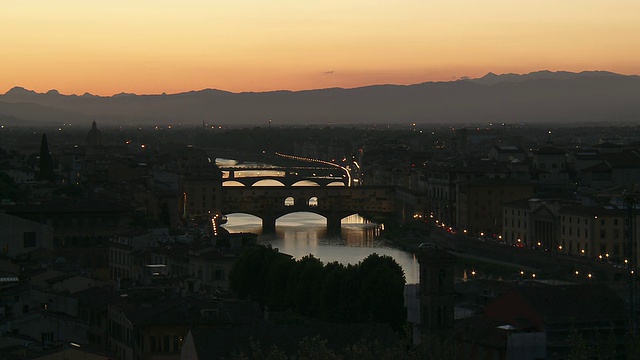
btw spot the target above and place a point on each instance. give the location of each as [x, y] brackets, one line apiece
[287, 176]
[334, 203]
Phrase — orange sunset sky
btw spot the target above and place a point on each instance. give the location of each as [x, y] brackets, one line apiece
[144, 46]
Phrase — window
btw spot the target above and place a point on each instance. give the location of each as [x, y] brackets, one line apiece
[441, 278]
[29, 239]
[47, 336]
[602, 234]
[166, 343]
[602, 222]
[152, 342]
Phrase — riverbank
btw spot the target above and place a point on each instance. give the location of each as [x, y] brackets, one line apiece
[408, 237]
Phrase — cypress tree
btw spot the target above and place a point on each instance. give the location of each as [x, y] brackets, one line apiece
[46, 162]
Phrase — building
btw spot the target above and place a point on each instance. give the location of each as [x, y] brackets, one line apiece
[480, 203]
[441, 180]
[592, 310]
[597, 232]
[121, 254]
[436, 293]
[507, 153]
[19, 236]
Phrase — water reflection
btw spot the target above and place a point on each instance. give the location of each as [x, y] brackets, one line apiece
[302, 233]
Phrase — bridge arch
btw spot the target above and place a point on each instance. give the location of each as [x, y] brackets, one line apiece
[305, 183]
[290, 201]
[232, 183]
[268, 182]
[313, 201]
[336, 183]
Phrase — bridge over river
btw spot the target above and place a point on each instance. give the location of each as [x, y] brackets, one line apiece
[334, 203]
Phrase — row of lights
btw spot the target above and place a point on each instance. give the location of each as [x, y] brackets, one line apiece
[214, 224]
[300, 158]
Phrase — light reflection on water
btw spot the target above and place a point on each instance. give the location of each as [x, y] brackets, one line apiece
[302, 233]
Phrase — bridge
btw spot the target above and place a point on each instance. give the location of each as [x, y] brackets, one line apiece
[334, 203]
[248, 175]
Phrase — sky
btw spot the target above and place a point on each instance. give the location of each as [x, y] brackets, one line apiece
[152, 46]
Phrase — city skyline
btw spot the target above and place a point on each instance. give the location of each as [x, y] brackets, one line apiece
[155, 47]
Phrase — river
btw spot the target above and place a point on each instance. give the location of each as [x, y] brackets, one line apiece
[303, 233]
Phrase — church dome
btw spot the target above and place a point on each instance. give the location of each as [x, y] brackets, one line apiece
[94, 136]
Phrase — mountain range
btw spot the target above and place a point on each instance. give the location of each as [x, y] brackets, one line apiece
[542, 97]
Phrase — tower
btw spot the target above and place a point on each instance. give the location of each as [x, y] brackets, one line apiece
[93, 140]
[436, 292]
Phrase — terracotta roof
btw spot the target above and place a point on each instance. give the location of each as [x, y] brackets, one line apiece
[622, 160]
[511, 149]
[563, 304]
[495, 181]
[69, 206]
[550, 150]
[599, 167]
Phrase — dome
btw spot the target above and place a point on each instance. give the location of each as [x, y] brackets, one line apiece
[94, 136]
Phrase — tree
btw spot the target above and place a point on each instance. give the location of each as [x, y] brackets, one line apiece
[308, 280]
[371, 291]
[46, 162]
[605, 348]
[577, 346]
[632, 341]
[329, 301]
[382, 291]
[315, 349]
[278, 280]
[8, 188]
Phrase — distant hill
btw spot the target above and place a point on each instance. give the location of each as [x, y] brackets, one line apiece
[542, 96]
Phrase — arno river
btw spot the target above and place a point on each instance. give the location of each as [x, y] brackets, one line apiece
[301, 234]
